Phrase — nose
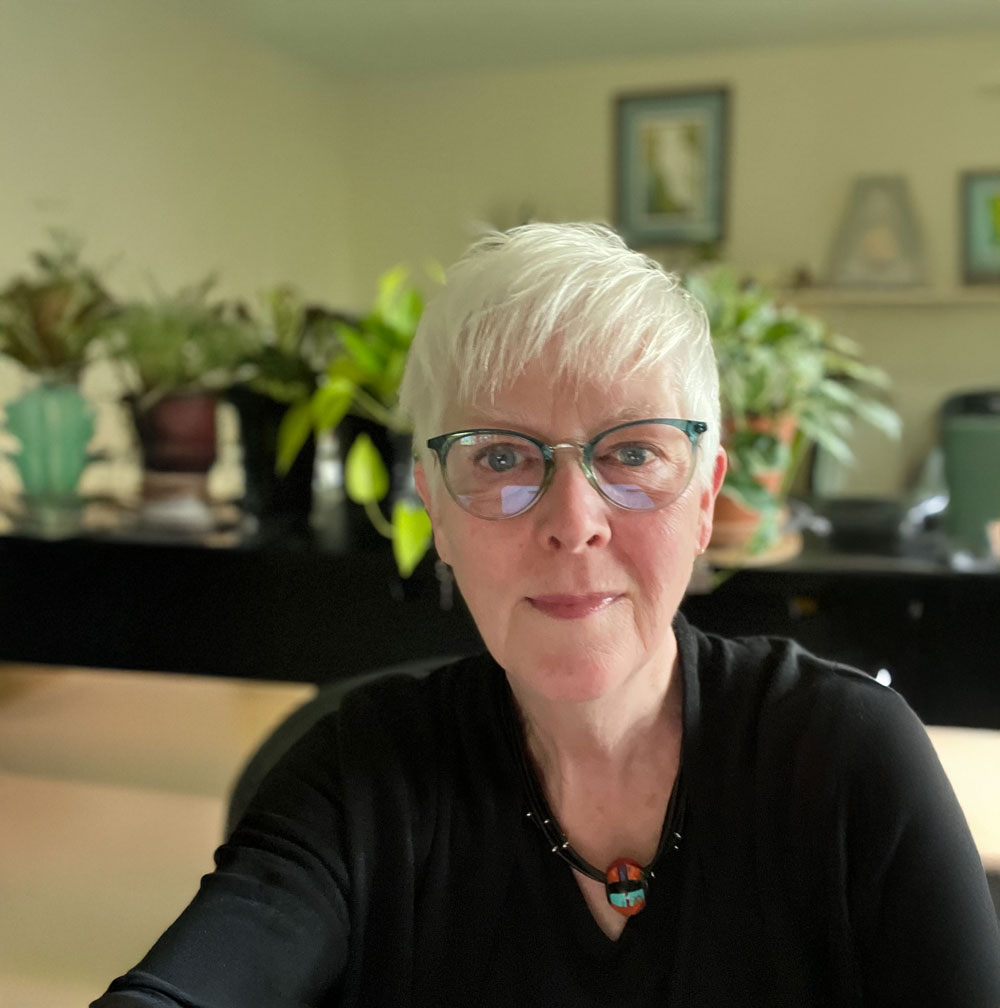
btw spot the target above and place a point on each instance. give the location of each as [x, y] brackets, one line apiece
[571, 514]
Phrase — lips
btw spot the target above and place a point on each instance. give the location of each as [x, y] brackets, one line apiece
[572, 606]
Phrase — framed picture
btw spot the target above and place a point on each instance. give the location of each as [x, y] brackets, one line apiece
[878, 242]
[980, 217]
[670, 162]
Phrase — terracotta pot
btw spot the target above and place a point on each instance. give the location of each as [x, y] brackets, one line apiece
[734, 525]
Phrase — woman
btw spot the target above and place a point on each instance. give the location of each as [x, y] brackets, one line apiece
[609, 808]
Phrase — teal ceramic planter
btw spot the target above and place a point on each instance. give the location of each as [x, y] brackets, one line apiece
[54, 424]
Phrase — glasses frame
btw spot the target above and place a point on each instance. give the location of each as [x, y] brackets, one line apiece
[442, 444]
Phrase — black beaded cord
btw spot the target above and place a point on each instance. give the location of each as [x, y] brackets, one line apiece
[540, 814]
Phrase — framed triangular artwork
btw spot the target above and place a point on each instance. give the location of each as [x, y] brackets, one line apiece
[878, 242]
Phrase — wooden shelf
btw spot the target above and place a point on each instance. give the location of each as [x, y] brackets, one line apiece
[986, 296]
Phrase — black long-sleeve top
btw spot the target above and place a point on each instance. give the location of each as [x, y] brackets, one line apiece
[388, 861]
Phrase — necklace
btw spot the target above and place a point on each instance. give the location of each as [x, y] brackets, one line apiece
[625, 881]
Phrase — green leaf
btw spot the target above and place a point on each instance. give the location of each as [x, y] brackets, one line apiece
[390, 283]
[881, 417]
[365, 356]
[388, 384]
[330, 403]
[293, 432]
[344, 367]
[411, 535]
[744, 489]
[833, 444]
[767, 532]
[366, 478]
[838, 393]
[406, 314]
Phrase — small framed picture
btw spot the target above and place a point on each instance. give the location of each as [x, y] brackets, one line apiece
[878, 242]
[980, 217]
[670, 166]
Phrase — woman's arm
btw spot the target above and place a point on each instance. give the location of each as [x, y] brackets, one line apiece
[925, 926]
[269, 927]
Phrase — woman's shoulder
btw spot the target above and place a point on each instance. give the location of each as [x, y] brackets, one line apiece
[408, 720]
[379, 739]
[781, 728]
[400, 698]
[774, 667]
[776, 689]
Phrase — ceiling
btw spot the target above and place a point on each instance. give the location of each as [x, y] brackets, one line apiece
[352, 37]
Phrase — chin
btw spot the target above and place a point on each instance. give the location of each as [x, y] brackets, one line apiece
[568, 676]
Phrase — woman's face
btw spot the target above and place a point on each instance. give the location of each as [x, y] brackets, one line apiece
[575, 596]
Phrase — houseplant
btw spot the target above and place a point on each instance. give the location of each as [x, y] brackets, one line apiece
[176, 355]
[358, 395]
[787, 381]
[292, 342]
[49, 322]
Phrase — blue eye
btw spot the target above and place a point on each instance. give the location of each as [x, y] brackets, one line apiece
[632, 455]
[501, 459]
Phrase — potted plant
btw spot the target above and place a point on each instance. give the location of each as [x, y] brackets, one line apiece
[358, 395]
[177, 354]
[49, 323]
[787, 381]
[292, 343]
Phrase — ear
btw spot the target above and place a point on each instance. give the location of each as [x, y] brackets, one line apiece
[423, 490]
[427, 499]
[707, 501]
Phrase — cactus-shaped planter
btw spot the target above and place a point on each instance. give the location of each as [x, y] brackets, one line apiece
[54, 424]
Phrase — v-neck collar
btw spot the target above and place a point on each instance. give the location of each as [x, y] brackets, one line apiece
[568, 908]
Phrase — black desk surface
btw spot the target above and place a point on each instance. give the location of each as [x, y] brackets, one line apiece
[294, 609]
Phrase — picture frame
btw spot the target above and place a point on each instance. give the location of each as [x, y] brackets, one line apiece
[670, 166]
[979, 214]
[878, 243]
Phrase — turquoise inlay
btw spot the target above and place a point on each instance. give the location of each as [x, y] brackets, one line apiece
[633, 898]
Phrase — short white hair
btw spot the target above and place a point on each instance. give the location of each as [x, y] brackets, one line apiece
[576, 291]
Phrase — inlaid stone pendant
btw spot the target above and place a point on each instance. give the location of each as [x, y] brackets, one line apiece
[626, 886]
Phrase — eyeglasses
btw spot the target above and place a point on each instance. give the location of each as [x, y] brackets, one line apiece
[639, 466]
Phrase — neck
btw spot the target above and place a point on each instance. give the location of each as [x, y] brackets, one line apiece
[576, 742]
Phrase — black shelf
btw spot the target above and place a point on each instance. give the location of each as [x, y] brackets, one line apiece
[285, 611]
[296, 609]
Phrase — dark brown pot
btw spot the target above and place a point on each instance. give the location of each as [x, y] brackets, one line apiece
[177, 433]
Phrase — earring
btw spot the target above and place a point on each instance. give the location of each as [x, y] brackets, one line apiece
[446, 584]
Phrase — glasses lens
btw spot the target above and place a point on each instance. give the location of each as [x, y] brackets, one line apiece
[494, 475]
[643, 466]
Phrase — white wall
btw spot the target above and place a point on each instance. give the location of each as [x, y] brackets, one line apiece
[805, 120]
[172, 148]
